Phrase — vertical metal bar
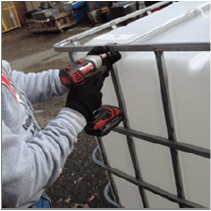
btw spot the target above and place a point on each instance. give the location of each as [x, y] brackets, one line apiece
[72, 56]
[130, 141]
[110, 178]
[169, 121]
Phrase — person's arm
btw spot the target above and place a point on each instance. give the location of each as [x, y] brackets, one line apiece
[38, 87]
[28, 167]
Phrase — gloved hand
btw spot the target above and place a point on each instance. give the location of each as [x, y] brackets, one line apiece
[87, 97]
[110, 60]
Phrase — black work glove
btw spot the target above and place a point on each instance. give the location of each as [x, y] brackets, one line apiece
[109, 61]
[87, 98]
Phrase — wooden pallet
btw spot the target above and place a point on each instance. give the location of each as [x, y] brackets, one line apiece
[53, 23]
[10, 18]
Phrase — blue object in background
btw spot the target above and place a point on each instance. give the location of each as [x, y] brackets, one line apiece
[78, 5]
[97, 5]
[78, 12]
[78, 15]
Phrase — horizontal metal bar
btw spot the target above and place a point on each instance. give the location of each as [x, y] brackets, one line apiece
[151, 188]
[142, 47]
[165, 47]
[94, 30]
[165, 142]
[61, 46]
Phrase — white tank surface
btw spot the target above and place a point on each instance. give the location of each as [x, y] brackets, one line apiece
[188, 75]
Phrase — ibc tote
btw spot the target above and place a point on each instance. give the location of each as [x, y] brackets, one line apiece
[167, 177]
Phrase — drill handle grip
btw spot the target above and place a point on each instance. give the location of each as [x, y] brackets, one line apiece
[104, 72]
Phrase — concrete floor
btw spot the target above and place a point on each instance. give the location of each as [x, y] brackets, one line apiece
[82, 182]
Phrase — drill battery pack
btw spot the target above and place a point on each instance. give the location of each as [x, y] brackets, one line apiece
[104, 120]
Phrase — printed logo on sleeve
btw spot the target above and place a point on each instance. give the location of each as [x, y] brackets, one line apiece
[6, 82]
[28, 123]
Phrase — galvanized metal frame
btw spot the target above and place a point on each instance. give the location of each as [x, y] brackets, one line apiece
[141, 47]
[171, 142]
[71, 45]
[110, 178]
[147, 186]
[130, 141]
[169, 122]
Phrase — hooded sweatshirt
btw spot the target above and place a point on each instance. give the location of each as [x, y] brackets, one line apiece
[32, 159]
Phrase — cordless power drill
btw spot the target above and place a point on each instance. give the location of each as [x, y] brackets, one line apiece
[76, 74]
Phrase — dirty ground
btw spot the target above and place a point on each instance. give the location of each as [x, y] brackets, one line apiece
[81, 182]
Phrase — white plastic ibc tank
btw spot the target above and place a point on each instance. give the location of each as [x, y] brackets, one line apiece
[188, 76]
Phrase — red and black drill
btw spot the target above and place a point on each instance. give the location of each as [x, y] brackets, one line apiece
[76, 74]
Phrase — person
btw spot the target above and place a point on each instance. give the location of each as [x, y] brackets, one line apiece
[32, 159]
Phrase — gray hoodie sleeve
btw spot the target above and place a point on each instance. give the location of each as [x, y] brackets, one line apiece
[38, 87]
[30, 166]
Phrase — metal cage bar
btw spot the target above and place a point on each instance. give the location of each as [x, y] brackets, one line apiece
[162, 72]
[167, 107]
[171, 142]
[188, 148]
[169, 122]
[167, 111]
[62, 45]
[67, 45]
[130, 141]
[149, 187]
[111, 181]
[142, 47]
